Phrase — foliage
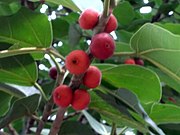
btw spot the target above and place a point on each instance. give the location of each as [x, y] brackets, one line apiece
[133, 98]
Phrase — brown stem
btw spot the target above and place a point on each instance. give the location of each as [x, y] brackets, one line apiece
[46, 114]
[58, 121]
[12, 130]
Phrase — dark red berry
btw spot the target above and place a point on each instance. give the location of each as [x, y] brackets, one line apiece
[53, 73]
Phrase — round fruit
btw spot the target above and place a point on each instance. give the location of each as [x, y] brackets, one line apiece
[81, 99]
[77, 62]
[139, 62]
[63, 95]
[111, 24]
[92, 77]
[53, 73]
[88, 19]
[130, 61]
[102, 46]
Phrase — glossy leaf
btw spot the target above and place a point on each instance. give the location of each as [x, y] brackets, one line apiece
[134, 78]
[167, 79]
[19, 69]
[4, 102]
[11, 90]
[172, 27]
[32, 30]
[67, 3]
[165, 113]
[9, 7]
[131, 101]
[124, 13]
[112, 113]
[76, 129]
[21, 107]
[160, 47]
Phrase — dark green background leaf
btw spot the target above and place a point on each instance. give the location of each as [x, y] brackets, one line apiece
[21, 107]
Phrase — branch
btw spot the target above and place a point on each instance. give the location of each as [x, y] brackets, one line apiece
[58, 121]
[12, 130]
[7, 53]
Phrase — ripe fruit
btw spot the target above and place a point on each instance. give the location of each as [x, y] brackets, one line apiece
[130, 61]
[139, 62]
[92, 77]
[81, 99]
[63, 95]
[77, 62]
[111, 24]
[53, 73]
[102, 46]
[88, 19]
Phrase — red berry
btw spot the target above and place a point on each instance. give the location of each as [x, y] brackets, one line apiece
[63, 95]
[92, 77]
[139, 62]
[111, 24]
[77, 62]
[88, 19]
[81, 99]
[53, 73]
[172, 99]
[102, 46]
[130, 61]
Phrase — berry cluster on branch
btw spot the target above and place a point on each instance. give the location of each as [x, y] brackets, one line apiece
[78, 62]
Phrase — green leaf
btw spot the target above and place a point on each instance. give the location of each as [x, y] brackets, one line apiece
[167, 79]
[165, 113]
[21, 107]
[74, 34]
[134, 78]
[104, 66]
[172, 27]
[112, 113]
[160, 47]
[60, 28]
[32, 30]
[124, 36]
[11, 90]
[4, 102]
[19, 70]
[66, 3]
[124, 13]
[9, 7]
[76, 129]
[123, 47]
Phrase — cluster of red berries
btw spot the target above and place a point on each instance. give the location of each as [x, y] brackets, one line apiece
[135, 61]
[78, 62]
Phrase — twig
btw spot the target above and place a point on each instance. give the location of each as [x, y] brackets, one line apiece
[71, 115]
[46, 113]
[40, 90]
[113, 131]
[12, 130]
[58, 121]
